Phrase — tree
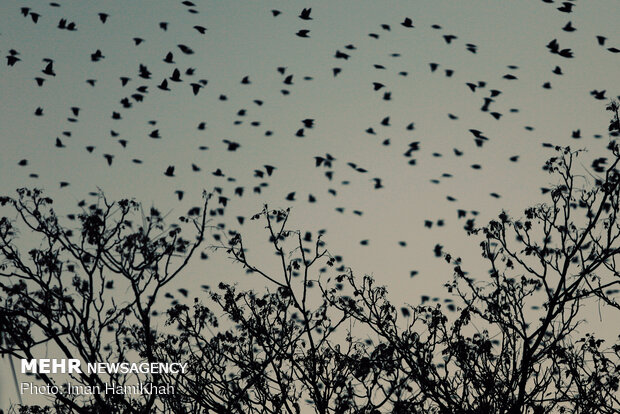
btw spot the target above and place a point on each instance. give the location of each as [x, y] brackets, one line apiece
[59, 296]
[514, 346]
[286, 348]
[321, 339]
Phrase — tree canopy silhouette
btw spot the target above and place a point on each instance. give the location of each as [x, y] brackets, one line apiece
[510, 343]
[58, 298]
[319, 338]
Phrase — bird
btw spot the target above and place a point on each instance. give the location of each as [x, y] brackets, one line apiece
[566, 7]
[12, 59]
[169, 58]
[185, 49]
[270, 169]
[176, 76]
[164, 85]
[449, 38]
[97, 56]
[569, 27]
[377, 85]
[49, 69]
[195, 88]
[305, 14]
[144, 72]
[231, 145]
[438, 250]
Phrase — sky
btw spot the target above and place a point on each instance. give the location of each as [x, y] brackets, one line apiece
[437, 74]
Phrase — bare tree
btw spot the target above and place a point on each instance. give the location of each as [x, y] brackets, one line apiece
[516, 344]
[60, 285]
[319, 338]
[279, 350]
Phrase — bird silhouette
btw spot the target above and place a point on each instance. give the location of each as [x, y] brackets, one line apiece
[305, 14]
[569, 27]
[49, 69]
[108, 158]
[566, 7]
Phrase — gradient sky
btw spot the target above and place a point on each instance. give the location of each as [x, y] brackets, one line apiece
[245, 39]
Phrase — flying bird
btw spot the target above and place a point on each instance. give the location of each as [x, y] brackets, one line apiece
[108, 158]
[569, 27]
[49, 69]
[305, 14]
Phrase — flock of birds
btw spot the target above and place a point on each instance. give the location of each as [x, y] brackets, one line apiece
[150, 81]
